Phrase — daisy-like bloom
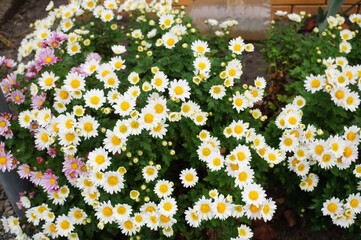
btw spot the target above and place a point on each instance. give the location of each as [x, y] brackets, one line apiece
[236, 46]
[242, 153]
[163, 188]
[160, 81]
[294, 17]
[91, 66]
[292, 119]
[113, 182]
[352, 134]
[25, 119]
[63, 95]
[237, 211]
[239, 102]
[217, 91]
[6, 160]
[200, 48]
[192, 217]
[167, 207]
[47, 80]
[353, 202]
[239, 129]
[327, 160]
[74, 81]
[215, 162]
[152, 221]
[128, 227]
[77, 215]
[98, 159]
[111, 81]
[345, 47]
[268, 209]
[89, 126]
[150, 173]
[94, 98]
[199, 118]
[310, 133]
[243, 176]
[66, 122]
[338, 95]
[112, 143]
[188, 177]
[124, 105]
[42, 139]
[107, 15]
[234, 69]
[221, 208]
[46, 57]
[122, 212]
[64, 225]
[117, 63]
[110, 4]
[160, 130]
[148, 118]
[118, 49]
[281, 13]
[309, 182]
[253, 194]
[357, 170]
[137, 33]
[24, 171]
[332, 207]
[17, 97]
[204, 208]
[122, 128]
[73, 48]
[166, 21]
[133, 78]
[351, 101]
[350, 153]
[179, 89]
[205, 151]
[139, 219]
[105, 212]
[314, 83]
[244, 232]
[202, 65]
[169, 40]
[288, 143]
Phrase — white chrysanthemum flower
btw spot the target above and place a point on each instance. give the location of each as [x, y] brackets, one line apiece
[179, 89]
[42, 139]
[122, 212]
[124, 105]
[314, 83]
[200, 48]
[25, 119]
[118, 49]
[44, 117]
[112, 143]
[113, 182]
[239, 102]
[160, 81]
[244, 232]
[105, 212]
[128, 227]
[332, 207]
[188, 177]
[64, 225]
[192, 217]
[167, 206]
[94, 98]
[215, 162]
[221, 208]
[107, 15]
[204, 208]
[47, 80]
[217, 91]
[253, 194]
[237, 45]
[89, 126]
[77, 215]
[74, 81]
[63, 95]
[150, 173]
[163, 188]
[98, 159]
[117, 63]
[169, 40]
[243, 176]
[133, 78]
[122, 129]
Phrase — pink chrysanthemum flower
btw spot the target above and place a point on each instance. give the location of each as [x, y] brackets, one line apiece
[11, 78]
[37, 101]
[2, 59]
[94, 56]
[9, 63]
[17, 97]
[8, 134]
[49, 182]
[31, 72]
[55, 39]
[24, 171]
[6, 160]
[52, 152]
[72, 167]
[4, 125]
[45, 57]
[35, 177]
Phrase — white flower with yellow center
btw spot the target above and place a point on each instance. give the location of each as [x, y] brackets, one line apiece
[122, 212]
[268, 209]
[117, 63]
[234, 69]
[237, 45]
[166, 21]
[103, 70]
[148, 118]
[353, 202]
[133, 78]
[215, 162]
[128, 227]
[89, 126]
[192, 217]
[188, 177]
[217, 91]
[332, 207]
[167, 207]
[63, 95]
[73, 48]
[49, 228]
[64, 225]
[107, 15]
[243, 176]
[253, 194]
[122, 128]
[202, 65]
[42, 139]
[91, 66]
[67, 122]
[113, 182]
[124, 105]
[118, 49]
[204, 208]
[25, 118]
[150, 173]
[44, 117]
[112, 96]
[94, 98]
[314, 83]
[244, 232]
[112, 143]
[160, 81]
[77, 215]
[98, 159]
[351, 101]
[239, 102]
[221, 208]
[200, 48]
[105, 212]
[47, 80]
[163, 188]
[74, 81]
[170, 40]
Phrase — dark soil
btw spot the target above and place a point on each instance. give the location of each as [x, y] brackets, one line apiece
[285, 224]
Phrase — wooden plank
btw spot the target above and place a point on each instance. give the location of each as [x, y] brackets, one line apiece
[313, 9]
